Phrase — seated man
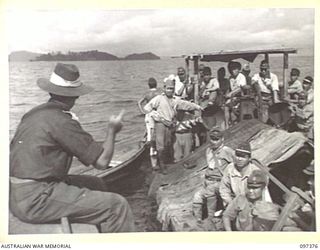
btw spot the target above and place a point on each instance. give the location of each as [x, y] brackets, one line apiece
[218, 157]
[152, 92]
[41, 153]
[234, 180]
[209, 96]
[302, 114]
[268, 89]
[307, 86]
[302, 218]
[237, 83]
[167, 106]
[249, 211]
[294, 85]
[246, 72]
[183, 88]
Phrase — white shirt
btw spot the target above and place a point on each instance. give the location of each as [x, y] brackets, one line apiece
[178, 86]
[237, 82]
[266, 83]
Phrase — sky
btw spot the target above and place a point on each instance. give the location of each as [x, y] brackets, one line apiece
[165, 32]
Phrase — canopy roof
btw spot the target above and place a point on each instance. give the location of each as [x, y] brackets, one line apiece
[248, 55]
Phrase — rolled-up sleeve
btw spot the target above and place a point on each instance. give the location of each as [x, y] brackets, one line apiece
[225, 189]
[231, 210]
[186, 105]
[77, 142]
[152, 104]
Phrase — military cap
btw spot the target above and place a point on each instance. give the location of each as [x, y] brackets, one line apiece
[310, 169]
[308, 80]
[295, 72]
[244, 148]
[264, 64]
[206, 71]
[215, 133]
[257, 179]
[234, 65]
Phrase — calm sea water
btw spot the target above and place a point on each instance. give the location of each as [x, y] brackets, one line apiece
[118, 85]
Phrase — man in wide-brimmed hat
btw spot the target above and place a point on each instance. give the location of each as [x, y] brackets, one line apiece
[41, 152]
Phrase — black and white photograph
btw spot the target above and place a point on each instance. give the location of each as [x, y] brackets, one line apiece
[161, 120]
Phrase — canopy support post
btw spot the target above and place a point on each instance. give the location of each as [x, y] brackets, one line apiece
[196, 84]
[187, 67]
[266, 57]
[285, 69]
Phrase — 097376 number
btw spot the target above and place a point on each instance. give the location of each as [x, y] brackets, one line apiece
[308, 246]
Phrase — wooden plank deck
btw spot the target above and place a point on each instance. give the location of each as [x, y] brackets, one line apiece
[16, 226]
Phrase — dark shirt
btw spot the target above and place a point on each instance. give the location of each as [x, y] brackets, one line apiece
[46, 140]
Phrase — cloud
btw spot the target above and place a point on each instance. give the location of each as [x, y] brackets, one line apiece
[164, 32]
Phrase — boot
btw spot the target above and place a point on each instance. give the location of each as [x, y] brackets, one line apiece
[211, 206]
[197, 211]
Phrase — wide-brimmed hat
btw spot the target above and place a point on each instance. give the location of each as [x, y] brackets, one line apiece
[64, 81]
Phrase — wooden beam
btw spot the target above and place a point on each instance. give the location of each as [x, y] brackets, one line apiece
[196, 73]
[293, 199]
[66, 228]
[285, 70]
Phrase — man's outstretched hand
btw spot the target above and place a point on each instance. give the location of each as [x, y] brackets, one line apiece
[115, 122]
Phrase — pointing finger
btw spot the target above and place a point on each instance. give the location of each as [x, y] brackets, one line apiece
[121, 114]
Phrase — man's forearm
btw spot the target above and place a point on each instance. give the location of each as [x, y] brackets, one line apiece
[226, 223]
[108, 148]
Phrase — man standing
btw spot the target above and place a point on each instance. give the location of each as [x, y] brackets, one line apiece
[166, 106]
[268, 86]
[41, 153]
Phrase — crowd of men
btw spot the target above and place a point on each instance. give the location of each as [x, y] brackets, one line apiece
[242, 186]
[231, 177]
[176, 124]
[50, 135]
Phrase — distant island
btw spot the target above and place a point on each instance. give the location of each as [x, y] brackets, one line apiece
[93, 55]
[143, 56]
[22, 56]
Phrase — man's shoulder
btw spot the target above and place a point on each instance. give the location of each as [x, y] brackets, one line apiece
[229, 169]
[226, 149]
[241, 76]
[273, 76]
